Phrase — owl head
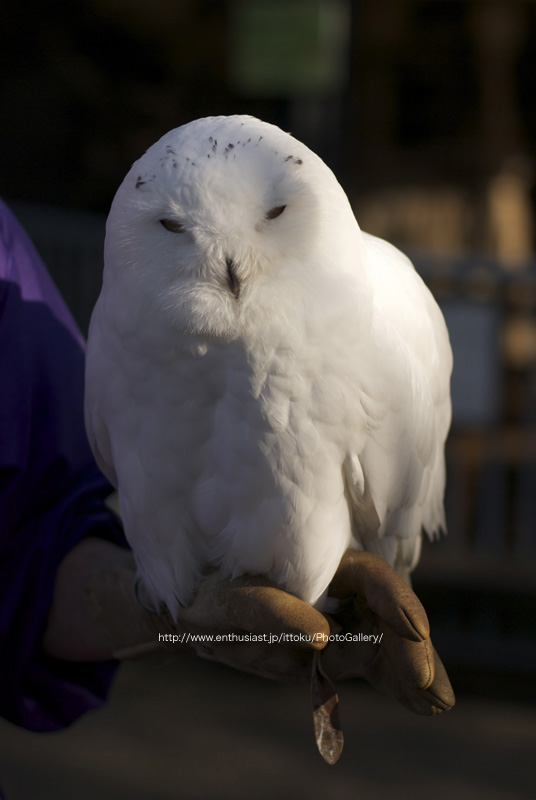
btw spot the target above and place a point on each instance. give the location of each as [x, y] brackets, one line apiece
[224, 220]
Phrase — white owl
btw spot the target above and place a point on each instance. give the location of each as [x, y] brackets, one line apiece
[266, 385]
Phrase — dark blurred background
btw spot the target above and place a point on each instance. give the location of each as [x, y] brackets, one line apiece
[426, 111]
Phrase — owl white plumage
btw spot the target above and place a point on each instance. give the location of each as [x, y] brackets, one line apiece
[266, 385]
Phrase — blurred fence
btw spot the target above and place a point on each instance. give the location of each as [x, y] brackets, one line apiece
[479, 583]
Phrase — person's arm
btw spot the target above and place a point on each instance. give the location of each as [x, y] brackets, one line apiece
[52, 496]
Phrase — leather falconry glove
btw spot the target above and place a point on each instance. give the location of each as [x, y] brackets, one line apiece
[379, 633]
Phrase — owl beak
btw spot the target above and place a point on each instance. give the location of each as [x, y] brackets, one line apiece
[232, 278]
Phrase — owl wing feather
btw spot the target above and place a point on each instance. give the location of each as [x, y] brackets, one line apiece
[396, 483]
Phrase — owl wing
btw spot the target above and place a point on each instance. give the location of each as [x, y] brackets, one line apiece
[396, 482]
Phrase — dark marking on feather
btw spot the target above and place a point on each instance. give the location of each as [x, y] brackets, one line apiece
[232, 279]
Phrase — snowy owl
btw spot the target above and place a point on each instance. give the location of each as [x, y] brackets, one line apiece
[266, 385]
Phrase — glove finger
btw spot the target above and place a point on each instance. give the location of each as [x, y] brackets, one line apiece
[256, 605]
[433, 700]
[430, 700]
[370, 578]
[413, 662]
[440, 694]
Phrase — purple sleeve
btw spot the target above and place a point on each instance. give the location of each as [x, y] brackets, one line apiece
[51, 492]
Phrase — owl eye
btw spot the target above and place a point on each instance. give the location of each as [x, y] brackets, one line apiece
[171, 225]
[275, 212]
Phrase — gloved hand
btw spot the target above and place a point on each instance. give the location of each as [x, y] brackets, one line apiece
[284, 632]
[275, 634]
[380, 633]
